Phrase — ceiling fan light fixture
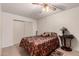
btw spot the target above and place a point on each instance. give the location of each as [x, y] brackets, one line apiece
[46, 9]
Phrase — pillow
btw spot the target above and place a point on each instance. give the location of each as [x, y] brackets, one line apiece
[44, 34]
[53, 34]
[48, 34]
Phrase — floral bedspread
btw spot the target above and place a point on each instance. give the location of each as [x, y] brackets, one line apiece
[39, 46]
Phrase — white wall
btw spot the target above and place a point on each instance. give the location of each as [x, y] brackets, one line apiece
[0, 29]
[7, 36]
[68, 19]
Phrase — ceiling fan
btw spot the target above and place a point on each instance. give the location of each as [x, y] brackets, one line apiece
[46, 6]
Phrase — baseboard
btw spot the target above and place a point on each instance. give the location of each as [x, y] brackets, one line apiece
[8, 45]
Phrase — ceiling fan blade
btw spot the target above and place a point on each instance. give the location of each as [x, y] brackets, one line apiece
[54, 9]
[36, 3]
[59, 7]
[41, 4]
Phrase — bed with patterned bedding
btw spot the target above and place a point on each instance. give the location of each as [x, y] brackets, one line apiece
[39, 45]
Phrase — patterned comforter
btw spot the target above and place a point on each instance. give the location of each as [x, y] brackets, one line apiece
[38, 45]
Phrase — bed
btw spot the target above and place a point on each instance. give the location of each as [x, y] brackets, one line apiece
[39, 45]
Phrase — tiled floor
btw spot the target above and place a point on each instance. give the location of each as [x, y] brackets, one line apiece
[18, 51]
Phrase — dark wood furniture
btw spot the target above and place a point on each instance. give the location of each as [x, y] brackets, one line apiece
[66, 42]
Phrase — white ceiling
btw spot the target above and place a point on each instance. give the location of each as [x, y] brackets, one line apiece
[34, 11]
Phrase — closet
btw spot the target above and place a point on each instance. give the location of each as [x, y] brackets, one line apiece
[22, 29]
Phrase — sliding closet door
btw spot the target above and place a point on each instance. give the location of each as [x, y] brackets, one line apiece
[28, 29]
[18, 31]
[22, 29]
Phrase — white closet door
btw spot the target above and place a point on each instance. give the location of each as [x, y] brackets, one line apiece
[28, 29]
[18, 31]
